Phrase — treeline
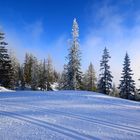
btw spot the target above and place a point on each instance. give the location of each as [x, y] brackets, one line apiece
[32, 74]
[37, 74]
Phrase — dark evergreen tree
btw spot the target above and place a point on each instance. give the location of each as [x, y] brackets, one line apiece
[56, 76]
[73, 68]
[127, 84]
[21, 77]
[137, 94]
[105, 81]
[42, 75]
[6, 71]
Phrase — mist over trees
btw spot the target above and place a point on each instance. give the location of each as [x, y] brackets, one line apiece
[35, 74]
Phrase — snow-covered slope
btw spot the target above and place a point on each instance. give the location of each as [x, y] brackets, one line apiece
[67, 115]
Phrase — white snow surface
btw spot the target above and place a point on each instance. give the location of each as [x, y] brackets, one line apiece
[67, 115]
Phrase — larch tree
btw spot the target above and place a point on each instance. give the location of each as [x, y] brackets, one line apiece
[127, 84]
[73, 67]
[89, 80]
[56, 76]
[28, 69]
[105, 80]
[21, 77]
[35, 74]
[115, 91]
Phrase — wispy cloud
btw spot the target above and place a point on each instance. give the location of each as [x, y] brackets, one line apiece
[57, 49]
[35, 29]
[111, 28]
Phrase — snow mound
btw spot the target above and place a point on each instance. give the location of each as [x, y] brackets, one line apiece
[54, 86]
[3, 89]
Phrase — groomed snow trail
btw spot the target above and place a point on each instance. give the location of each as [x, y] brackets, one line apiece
[67, 115]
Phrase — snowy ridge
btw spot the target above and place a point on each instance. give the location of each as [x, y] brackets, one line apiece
[67, 115]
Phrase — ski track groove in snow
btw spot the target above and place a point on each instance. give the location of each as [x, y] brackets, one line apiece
[56, 128]
[83, 118]
[68, 115]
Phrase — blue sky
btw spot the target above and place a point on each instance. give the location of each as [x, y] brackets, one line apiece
[43, 27]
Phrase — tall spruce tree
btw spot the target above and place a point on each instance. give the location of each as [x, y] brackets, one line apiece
[127, 84]
[73, 67]
[89, 79]
[6, 71]
[105, 81]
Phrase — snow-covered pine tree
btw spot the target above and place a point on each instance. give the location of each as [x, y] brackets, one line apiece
[49, 73]
[73, 67]
[63, 79]
[105, 81]
[127, 84]
[16, 67]
[6, 71]
[89, 79]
